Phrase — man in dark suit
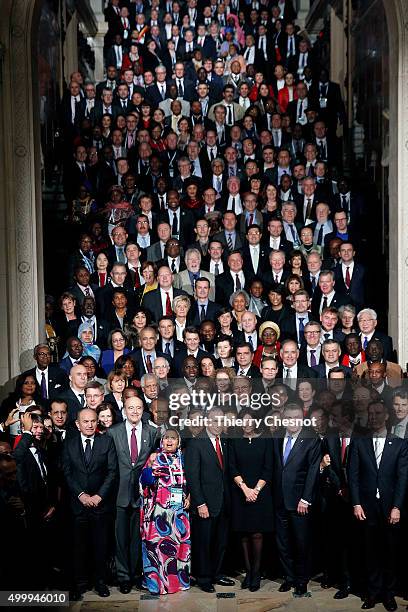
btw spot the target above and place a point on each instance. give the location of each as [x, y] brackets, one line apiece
[351, 202]
[207, 477]
[37, 483]
[350, 276]
[91, 470]
[75, 351]
[244, 354]
[230, 237]
[293, 325]
[331, 352]
[275, 274]
[110, 82]
[159, 301]
[329, 101]
[180, 220]
[378, 478]
[191, 338]
[275, 239]
[167, 344]
[146, 354]
[74, 396]
[51, 379]
[310, 353]
[233, 279]
[202, 307]
[325, 294]
[134, 440]
[367, 322]
[296, 460]
[290, 370]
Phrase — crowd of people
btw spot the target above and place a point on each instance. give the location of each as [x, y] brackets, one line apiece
[214, 396]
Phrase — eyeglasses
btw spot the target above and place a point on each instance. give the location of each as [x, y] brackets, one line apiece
[43, 355]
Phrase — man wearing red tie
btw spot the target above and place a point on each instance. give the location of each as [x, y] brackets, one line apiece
[207, 477]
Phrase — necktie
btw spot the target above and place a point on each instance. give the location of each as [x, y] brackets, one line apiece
[219, 184]
[312, 357]
[169, 311]
[237, 283]
[217, 269]
[82, 399]
[348, 279]
[313, 283]
[320, 236]
[233, 204]
[229, 242]
[300, 113]
[344, 203]
[377, 451]
[219, 453]
[365, 342]
[292, 231]
[288, 373]
[202, 313]
[87, 292]
[250, 342]
[324, 302]
[343, 450]
[133, 446]
[121, 256]
[167, 349]
[241, 372]
[288, 448]
[162, 206]
[174, 225]
[276, 278]
[212, 156]
[180, 88]
[308, 208]
[41, 464]
[251, 219]
[137, 279]
[301, 330]
[326, 336]
[44, 394]
[229, 115]
[162, 92]
[173, 265]
[88, 452]
[149, 364]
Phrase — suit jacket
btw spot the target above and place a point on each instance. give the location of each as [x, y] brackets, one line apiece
[65, 364]
[57, 380]
[152, 301]
[98, 478]
[182, 281]
[207, 480]
[153, 94]
[177, 363]
[253, 371]
[356, 290]
[225, 287]
[128, 492]
[39, 494]
[239, 240]
[153, 252]
[338, 300]
[355, 210]
[194, 313]
[390, 478]
[186, 222]
[138, 359]
[320, 370]
[239, 112]
[297, 479]
[303, 371]
[248, 267]
[72, 402]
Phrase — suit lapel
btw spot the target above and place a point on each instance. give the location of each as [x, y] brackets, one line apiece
[123, 442]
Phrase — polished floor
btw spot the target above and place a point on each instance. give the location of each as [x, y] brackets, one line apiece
[226, 599]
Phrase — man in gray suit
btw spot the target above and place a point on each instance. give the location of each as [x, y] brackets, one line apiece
[134, 441]
[186, 279]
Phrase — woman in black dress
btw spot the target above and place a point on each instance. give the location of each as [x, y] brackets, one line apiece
[252, 514]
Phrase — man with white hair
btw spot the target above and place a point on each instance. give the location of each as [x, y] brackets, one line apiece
[367, 323]
[187, 278]
[289, 211]
[161, 369]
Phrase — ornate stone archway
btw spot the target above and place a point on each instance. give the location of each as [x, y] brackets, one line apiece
[21, 269]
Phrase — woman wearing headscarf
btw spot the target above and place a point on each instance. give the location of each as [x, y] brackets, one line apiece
[86, 336]
[269, 334]
[164, 520]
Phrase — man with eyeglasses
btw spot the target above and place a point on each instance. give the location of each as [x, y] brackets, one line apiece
[310, 353]
[117, 278]
[367, 323]
[94, 394]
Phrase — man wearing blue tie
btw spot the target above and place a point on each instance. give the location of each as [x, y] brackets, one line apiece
[296, 461]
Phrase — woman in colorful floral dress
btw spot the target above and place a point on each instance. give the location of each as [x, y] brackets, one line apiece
[164, 520]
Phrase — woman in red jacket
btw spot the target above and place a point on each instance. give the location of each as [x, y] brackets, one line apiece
[287, 93]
